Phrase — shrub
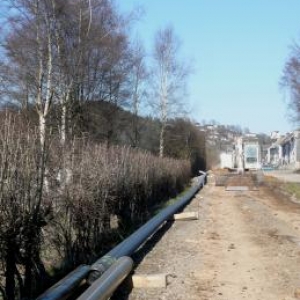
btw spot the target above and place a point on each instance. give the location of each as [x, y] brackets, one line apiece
[56, 207]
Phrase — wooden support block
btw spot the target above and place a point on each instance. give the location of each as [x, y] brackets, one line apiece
[149, 281]
[193, 215]
[211, 179]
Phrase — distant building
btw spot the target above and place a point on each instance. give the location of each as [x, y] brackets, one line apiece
[285, 151]
[250, 135]
[275, 135]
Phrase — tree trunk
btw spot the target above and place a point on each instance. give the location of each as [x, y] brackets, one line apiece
[63, 129]
[10, 284]
[161, 140]
[28, 272]
[42, 131]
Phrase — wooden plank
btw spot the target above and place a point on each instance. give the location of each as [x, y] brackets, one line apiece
[237, 188]
[186, 216]
[149, 280]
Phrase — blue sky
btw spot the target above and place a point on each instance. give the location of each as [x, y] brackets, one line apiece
[238, 49]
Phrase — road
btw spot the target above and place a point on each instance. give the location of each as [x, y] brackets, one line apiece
[245, 245]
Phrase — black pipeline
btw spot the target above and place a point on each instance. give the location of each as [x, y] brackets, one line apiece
[134, 241]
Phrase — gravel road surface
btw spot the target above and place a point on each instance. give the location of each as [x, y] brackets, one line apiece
[245, 245]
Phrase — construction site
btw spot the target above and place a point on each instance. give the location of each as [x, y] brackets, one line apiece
[245, 244]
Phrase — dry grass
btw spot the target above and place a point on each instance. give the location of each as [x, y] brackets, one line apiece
[286, 193]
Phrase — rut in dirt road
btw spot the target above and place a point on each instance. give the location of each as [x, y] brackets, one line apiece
[245, 245]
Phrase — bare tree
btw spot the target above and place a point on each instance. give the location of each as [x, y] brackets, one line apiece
[169, 79]
[30, 48]
[290, 81]
[139, 78]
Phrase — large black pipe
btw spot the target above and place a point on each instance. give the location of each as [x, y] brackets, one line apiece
[134, 241]
[66, 286]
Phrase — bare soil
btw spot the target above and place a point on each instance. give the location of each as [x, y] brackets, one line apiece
[245, 245]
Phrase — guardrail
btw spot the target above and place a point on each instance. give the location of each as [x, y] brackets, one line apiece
[113, 266]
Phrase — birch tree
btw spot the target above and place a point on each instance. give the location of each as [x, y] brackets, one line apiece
[31, 52]
[169, 80]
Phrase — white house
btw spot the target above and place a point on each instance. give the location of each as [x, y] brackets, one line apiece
[286, 151]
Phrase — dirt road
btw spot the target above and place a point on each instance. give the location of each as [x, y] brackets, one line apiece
[245, 245]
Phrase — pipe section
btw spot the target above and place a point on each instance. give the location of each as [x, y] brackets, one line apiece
[104, 286]
[66, 286]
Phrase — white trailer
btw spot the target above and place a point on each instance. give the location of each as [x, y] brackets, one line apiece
[252, 154]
